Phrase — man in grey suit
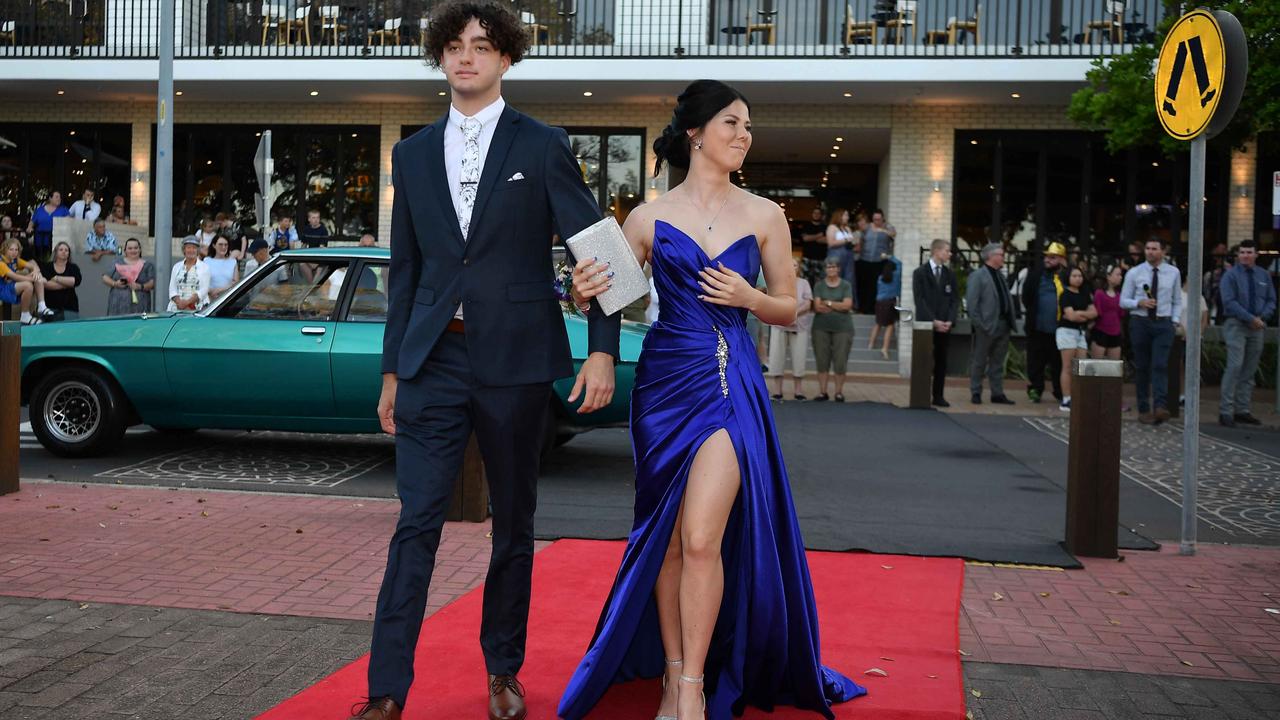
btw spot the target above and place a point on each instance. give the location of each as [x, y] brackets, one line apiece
[991, 312]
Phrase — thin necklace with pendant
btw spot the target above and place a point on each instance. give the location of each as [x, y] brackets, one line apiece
[722, 204]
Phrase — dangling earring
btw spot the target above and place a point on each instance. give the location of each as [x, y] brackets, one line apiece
[697, 145]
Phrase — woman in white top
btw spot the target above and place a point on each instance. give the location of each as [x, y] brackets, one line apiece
[224, 271]
[842, 246]
[189, 281]
[797, 335]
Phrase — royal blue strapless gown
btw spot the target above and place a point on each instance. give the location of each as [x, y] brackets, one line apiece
[698, 374]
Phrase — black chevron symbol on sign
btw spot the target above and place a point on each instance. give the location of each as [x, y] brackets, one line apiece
[1193, 48]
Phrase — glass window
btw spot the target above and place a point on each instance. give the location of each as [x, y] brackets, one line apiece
[329, 168]
[307, 294]
[1266, 219]
[369, 303]
[39, 158]
[975, 189]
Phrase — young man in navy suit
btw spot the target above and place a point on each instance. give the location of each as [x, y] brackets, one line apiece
[474, 338]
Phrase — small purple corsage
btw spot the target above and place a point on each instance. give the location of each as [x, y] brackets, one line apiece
[564, 288]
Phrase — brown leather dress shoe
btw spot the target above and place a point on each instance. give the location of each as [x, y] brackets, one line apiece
[383, 708]
[1146, 418]
[506, 698]
[1162, 414]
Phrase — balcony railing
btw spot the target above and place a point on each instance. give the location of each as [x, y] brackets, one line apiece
[591, 28]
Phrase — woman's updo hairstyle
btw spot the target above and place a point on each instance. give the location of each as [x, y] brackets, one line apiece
[695, 107]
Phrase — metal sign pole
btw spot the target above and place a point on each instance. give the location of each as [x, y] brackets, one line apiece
[163, 176]
[1191, 321]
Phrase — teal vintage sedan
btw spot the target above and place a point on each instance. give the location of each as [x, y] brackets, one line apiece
[295, 346]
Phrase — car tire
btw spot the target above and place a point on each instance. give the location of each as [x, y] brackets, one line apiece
[78, 412]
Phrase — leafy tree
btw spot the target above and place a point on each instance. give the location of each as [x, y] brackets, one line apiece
[1120, 97]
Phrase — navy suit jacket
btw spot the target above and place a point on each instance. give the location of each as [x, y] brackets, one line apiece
[502, 274]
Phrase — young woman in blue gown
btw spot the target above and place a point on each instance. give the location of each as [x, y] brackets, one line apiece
[713, 593]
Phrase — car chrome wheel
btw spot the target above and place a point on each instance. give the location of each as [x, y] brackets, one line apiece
[72, 411]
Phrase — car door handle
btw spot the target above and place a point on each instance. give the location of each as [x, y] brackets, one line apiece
[313, 330]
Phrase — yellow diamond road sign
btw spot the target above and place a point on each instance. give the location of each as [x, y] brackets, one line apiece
[1193, 63]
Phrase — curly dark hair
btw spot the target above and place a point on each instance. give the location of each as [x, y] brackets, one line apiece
[508, 34]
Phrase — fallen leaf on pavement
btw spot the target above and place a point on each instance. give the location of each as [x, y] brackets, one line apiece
[52, 507]
[886, 658]
[996, 596]
[1273, 611]
[204, 513]
[1044, 594]
[298, 531]
[976, 693]
[964, 653]
[877, 672]
[103, 526]
[1184, 662]
[84, 606]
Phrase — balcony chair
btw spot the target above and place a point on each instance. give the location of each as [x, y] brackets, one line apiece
[1114, 25]
[764, 25]
[905, 18]
[390, 29]
[302, 23]
[274, 15]
[954, 27]
[8, 31]
[536, 29]
[330, 22]
[860, 28]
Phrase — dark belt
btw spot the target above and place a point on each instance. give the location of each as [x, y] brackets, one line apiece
[455, 326]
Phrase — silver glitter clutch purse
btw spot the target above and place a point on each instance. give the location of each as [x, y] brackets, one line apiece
[605, 242]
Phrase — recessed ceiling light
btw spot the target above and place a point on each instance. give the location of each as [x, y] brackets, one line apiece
[73, 132]
[1015, 96]
[973, 142]
[1111, 180]
[353, 134]
[848, 94]
[587, 93]
[833, 154]
[257, 134]
[824, 184]
[442, 93]
[178, 93]
[835, 147]
[1155, 164]
[208, 162]
[315, 93]
[839, 139]
[62, 92]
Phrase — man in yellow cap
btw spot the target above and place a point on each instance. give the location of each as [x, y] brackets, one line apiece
[1040, 295]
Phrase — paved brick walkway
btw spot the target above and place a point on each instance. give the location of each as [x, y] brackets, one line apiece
[251, 552]
[1155, 612]
[64, 659]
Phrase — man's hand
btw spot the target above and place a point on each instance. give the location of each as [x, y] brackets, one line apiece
[595, 383]
[387, 404]
[1147, 303]
[1258, 324]
[941, 326]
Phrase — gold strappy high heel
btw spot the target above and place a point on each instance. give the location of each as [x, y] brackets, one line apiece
[673, 663]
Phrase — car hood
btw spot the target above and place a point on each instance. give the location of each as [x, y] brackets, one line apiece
[98, 332]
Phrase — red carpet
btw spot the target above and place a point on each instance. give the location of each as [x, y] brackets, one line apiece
[899, 614]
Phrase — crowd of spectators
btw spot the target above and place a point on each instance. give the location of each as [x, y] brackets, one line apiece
[41, 279]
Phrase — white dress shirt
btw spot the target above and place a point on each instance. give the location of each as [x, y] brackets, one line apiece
[1169, 302]
[453, 144]
[78, 211]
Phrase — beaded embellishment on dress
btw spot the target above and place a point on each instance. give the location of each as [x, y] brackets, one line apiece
[722, 359]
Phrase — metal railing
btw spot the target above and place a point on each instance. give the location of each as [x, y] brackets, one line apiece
[591, 28]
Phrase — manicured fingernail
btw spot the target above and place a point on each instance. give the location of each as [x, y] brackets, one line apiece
[610, 273]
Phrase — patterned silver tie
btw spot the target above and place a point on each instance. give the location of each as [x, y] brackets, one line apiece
[470, 178]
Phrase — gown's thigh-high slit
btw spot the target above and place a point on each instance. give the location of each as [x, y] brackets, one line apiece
[699, 375]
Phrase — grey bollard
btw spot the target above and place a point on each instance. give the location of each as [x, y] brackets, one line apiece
[1093, 458]
[10, 397]
[921, 365]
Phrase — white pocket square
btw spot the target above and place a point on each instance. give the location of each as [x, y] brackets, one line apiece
[517, 176]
